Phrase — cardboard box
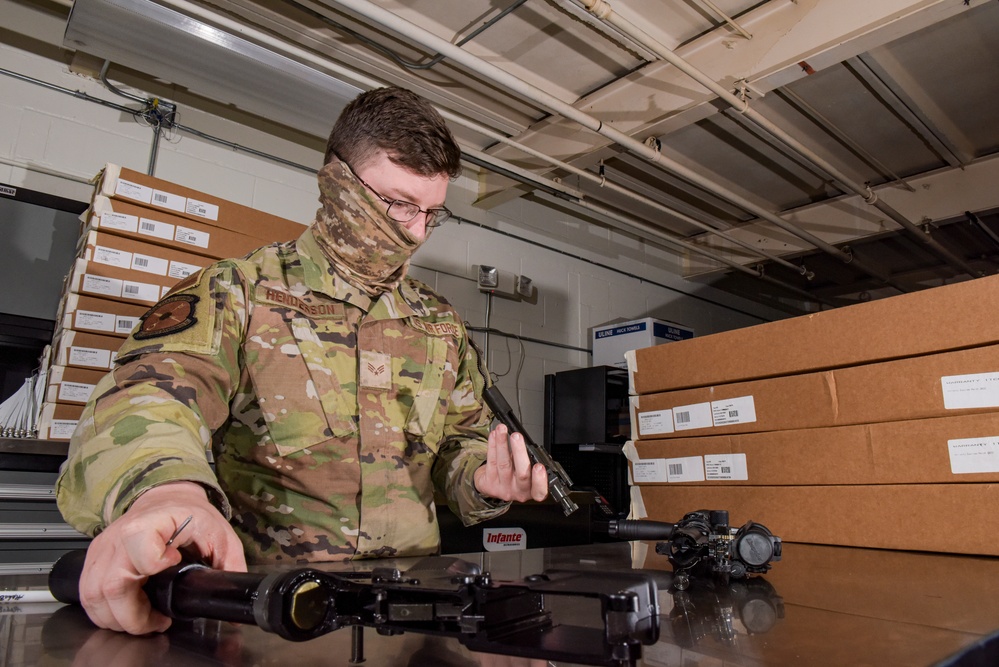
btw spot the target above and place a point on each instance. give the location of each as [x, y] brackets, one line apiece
[67, 384]
[96, 315]
[944, 450]
[611, 341]
[952, 518]
[171, 231]
[959, 600]
[143, 258]
[84, 350]
[112, 282]
[124, 184]
[936, 385]
[57, 421]
[933, 320]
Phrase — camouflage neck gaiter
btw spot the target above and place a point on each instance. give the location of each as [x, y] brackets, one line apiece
[363, 245]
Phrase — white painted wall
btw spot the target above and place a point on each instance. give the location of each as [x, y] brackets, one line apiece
[578, 268]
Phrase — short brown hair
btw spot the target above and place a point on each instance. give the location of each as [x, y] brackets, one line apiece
[401, 123]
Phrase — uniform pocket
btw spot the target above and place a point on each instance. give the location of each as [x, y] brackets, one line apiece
[429, 412]
[293, 364]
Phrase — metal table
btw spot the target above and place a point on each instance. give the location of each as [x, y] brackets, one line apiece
[820, 605]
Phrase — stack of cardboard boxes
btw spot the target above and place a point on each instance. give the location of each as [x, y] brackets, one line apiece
[875, 425]
[140, 236]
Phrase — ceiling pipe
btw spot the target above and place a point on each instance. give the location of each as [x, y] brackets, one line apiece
[633, 225]
[389, 20]
[370, 82]
[631, 194]
[602, 10]
[725, 17]
[667, 238]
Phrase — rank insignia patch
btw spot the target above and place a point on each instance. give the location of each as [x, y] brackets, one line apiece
[172, 314]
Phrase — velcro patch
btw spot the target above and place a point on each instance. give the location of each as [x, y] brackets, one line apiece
[376, 370]
[172, 314]
[305, 306]
[439, 329]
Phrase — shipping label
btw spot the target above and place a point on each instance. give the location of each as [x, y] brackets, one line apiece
[718, 467]
[648, 470]
[121, 222]
[741, 410]
[100, 285]
[62, 429]
[88, 319]
[90, 357]
[657, 421]
[971, 455]
[130, 190]
[202, 209]
[75, 391]
[140, 291]
[979, 390]
[113, 257]
[192, 237]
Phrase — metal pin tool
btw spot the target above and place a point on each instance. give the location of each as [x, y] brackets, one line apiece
[179, 528]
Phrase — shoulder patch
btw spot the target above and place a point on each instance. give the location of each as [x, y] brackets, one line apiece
[172, 314]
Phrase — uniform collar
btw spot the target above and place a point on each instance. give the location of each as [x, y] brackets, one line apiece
[401, 302]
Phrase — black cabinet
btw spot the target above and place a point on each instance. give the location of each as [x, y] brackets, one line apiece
[586, 425]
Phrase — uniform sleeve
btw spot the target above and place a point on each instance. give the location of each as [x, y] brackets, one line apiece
[464, 445]
[150, 421]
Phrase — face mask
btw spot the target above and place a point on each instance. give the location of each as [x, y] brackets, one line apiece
[365, 247]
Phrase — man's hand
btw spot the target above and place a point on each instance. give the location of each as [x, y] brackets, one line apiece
[134, 547]
[507, 473]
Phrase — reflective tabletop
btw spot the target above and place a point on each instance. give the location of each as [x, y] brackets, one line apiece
[820, 605]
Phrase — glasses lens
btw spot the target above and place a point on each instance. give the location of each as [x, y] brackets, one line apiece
[437, 217]
[402, 211]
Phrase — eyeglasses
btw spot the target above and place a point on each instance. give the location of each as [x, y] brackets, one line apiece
[404, 211]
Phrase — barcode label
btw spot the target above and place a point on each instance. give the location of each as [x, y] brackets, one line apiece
[192, 237]
[202, 209]
[156, 229]
[89, 357]
[141, 292]
[150, 264]
[125, 324]
[169, 200]
[685, 469]
[740, 410]
[182, 270]
[75, 392]
[720, 467]
[689, 417]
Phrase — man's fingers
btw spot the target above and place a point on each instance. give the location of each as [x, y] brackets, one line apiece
[521, 460]
[499, 450]
[539, 482]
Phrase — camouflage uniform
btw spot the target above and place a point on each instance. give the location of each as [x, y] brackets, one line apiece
[331, 416]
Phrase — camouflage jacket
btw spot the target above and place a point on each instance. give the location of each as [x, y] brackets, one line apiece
[332, 418]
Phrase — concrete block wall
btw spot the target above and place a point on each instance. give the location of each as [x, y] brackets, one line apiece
[585, 274]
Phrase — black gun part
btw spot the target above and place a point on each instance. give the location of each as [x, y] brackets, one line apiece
[439, 595]
[559, 483]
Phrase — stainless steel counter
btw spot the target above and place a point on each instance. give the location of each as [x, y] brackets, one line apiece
[819, 606]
